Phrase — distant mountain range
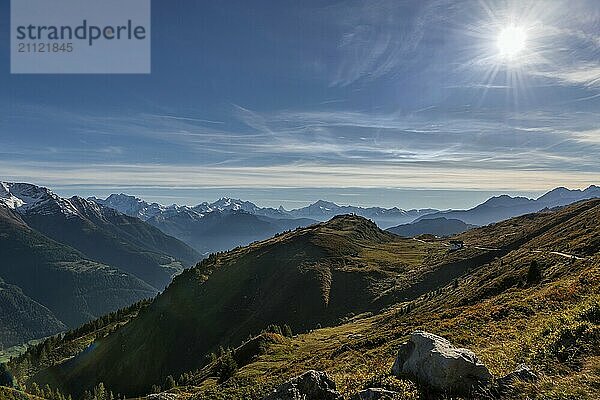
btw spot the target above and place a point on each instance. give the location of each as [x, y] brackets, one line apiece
[318, 211]
[71, 260]
[503, 207]
[209, 227]
[228, 223]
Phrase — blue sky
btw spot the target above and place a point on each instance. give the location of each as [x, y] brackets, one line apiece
[287, 101]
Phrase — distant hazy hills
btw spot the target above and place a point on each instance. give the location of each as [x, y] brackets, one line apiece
[224, 230]
[434, 226]
[70, 260]
[503, 207]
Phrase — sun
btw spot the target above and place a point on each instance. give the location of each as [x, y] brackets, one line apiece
[511, 41]
[509, 44]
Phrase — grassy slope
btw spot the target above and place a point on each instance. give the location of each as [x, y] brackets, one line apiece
[303, 278]
[553, 325]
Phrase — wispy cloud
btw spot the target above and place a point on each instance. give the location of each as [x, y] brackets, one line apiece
[429, 138]
[591, 137]
[586, 75]
[297, 175]
[377, 36]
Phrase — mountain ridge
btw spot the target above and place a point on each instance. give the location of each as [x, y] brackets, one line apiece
[503, 207]
[100, 232]
[250, 287]
[69, 260]
[320, 210]
[486, 285]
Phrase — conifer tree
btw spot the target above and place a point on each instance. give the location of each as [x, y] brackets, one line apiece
[6, 378]
[170, 382]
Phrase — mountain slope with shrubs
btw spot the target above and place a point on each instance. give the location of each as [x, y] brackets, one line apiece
[529, 305]
[305, 278]
[525, 290]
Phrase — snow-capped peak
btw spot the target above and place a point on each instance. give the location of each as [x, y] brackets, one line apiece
[136, 207]
[26, 198]
[7, 198]
[227, 204]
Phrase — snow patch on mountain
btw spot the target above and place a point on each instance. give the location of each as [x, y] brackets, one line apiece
[7, 198]
[136, 207]
[26, 198]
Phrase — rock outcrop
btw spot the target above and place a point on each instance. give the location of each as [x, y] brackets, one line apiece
[311, 385]
[505, 385]
[522, 373]
[435, 362]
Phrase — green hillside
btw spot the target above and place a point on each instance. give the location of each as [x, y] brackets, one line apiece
[22, 318]
[70, 288]
[523, 290]
[304, 278]
[501, 310]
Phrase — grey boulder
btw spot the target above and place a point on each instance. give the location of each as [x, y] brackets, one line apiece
[311, 385]
[435, 362]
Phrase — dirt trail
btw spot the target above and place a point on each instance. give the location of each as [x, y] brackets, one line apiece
[558, 253]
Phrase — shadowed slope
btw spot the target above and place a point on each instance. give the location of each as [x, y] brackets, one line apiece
[116, 239]
[59, 277]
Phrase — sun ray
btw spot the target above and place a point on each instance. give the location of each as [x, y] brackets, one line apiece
[511, 44]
